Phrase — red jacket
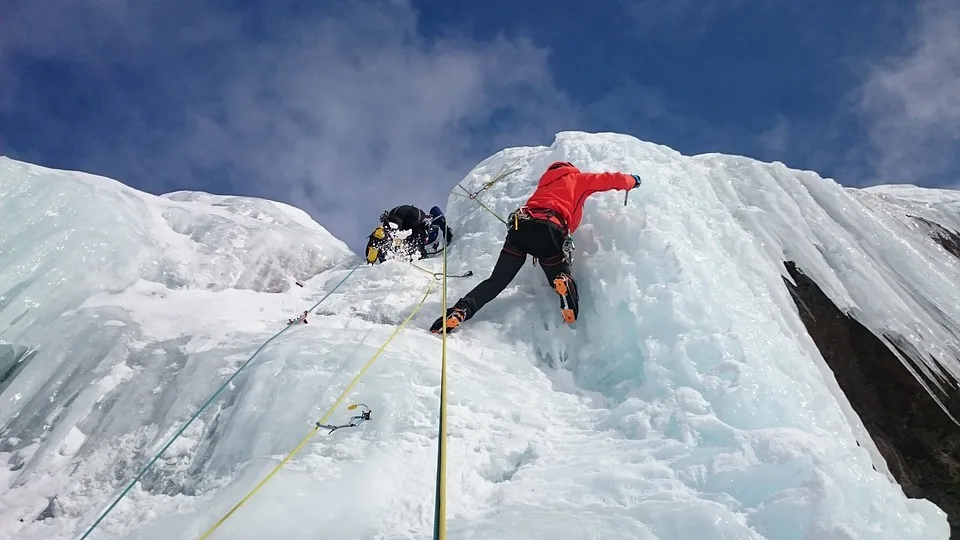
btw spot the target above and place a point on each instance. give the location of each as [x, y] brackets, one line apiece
[563, 189]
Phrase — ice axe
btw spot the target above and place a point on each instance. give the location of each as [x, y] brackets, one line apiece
[626, 195]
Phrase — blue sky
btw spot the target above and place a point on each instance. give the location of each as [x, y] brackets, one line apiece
[347, 108]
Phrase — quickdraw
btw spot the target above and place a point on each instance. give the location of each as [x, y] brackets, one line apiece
[439, 275]
[354, 420]
[568, 247]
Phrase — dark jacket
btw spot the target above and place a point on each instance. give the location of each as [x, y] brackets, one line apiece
[424, 233]
[407, 217]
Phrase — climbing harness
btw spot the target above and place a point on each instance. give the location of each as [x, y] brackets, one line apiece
[206, 404]
[544, 214]
[354, 420]
[322, 423]
[540, 214]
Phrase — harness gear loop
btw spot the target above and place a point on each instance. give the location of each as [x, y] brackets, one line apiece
[547, 215]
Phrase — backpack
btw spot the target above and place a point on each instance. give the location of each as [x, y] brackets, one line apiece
[438, 222]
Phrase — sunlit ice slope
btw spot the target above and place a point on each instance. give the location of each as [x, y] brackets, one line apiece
[688, 401]
[935, 212]
[689, 339]
[119, 312]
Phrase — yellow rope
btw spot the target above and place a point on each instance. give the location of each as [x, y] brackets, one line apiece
[440, 506]
[440, 503]
[323, 420]
[440, 519]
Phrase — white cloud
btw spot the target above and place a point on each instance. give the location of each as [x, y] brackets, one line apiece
[345, 115]
[357, 113]
[911, 101]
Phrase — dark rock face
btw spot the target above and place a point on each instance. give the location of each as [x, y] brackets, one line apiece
[948, 239]
[920, 443]
[12, 361]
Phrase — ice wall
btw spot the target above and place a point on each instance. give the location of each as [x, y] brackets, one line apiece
[688, 401]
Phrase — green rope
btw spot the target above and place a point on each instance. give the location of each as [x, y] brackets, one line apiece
[500, 176]
[485, 207]
[195, 415]
[503, 173]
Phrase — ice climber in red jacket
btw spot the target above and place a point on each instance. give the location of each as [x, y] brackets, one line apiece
[541, 228]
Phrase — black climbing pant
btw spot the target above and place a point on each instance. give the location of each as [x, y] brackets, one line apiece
[541, 239]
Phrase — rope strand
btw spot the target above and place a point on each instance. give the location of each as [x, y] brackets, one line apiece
[440, 503]
[322, 420]
[203, 407]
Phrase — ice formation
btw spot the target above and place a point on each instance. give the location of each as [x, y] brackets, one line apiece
[688, 401]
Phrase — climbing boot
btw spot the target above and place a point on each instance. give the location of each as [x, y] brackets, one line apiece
[455, 317]
[567, 289]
